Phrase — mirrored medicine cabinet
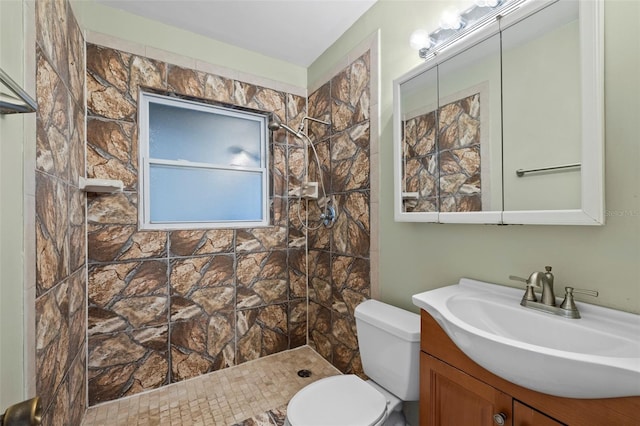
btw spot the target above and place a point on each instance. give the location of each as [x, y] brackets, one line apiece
[506, 125]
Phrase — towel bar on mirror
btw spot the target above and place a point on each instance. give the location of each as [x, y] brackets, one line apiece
[522, 172]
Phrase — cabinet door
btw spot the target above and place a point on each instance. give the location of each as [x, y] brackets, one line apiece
[449, 397]
[523, 415]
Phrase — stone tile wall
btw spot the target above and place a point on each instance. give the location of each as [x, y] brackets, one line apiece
[442, 158]
[60, 215]
[339, 257]
[164, 306]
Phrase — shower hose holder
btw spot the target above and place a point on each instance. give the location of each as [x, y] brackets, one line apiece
[309, 191]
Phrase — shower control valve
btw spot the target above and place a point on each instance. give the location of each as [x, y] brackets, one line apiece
[329, 216]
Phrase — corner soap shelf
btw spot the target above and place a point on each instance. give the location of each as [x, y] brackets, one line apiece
[100, 185]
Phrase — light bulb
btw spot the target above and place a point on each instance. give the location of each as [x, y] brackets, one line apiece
[420, 40]
[487, 3]
[450, 19]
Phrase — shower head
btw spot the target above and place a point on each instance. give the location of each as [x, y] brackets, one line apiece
[276, 124]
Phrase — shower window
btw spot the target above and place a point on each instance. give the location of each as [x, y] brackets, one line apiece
[202, 166]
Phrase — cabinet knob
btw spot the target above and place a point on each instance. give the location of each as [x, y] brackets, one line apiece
[499, 419]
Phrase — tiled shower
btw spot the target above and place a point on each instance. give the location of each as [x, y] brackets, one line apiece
[165, 306]
[60, 344]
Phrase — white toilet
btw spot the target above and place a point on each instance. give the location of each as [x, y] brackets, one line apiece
[389, 341]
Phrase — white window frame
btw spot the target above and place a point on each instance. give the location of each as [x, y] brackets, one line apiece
[144, 209]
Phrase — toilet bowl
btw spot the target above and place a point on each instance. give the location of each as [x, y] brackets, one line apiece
[389, 341]
[337, 400]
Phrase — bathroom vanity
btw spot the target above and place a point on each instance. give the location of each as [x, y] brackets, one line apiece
[454, 390]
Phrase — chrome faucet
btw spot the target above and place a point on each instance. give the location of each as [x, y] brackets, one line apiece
[548, 296]
[544, 280]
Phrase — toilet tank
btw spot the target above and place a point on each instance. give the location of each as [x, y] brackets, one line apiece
[389, 341]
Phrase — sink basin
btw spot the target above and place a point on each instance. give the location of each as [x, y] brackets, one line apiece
[597, 356]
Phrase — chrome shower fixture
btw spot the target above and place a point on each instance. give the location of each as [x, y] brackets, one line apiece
[317, 120]
[309, 190]
[306, 117]
[276, 124]
[329, 216]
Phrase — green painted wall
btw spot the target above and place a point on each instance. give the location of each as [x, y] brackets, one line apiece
[415, 257]
[96, 17]
[11, 214]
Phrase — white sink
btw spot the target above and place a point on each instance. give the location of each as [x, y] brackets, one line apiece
[596, 356]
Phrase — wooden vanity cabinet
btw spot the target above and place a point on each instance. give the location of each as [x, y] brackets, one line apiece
[455, 398]
[455, 391]
[524, 415]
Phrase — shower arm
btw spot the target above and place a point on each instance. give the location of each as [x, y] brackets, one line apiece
[289, 129]
[317, 120]
[306, 117]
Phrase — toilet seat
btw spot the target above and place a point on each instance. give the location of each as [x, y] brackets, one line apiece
[335, 401]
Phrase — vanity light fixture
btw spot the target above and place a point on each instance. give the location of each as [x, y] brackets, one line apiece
[451, 19]
[421, 41]
[487, 3]
[454, 25]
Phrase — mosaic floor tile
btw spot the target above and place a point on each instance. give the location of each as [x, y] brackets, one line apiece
[255, 393]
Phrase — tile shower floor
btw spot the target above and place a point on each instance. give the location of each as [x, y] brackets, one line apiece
[253, 393]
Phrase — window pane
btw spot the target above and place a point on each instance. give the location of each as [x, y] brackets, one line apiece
[185, 134]
[204, 195]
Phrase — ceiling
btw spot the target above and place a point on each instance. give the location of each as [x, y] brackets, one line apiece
[295, 31]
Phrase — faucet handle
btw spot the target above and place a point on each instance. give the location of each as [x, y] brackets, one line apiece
[568, 302]
[515, 278]
[529, 295]
[593, 293]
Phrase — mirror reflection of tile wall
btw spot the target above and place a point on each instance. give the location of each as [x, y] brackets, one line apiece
[444, 172]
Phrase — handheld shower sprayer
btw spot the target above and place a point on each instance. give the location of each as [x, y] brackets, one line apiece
[275, 124]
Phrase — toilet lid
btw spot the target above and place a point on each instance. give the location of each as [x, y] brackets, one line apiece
[337, 400]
